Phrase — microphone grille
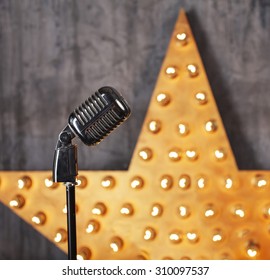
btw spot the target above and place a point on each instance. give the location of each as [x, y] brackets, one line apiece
[90, 108]
[99, 115]
[104, 126]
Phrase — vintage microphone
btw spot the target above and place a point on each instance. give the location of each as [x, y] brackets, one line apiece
[92, 121]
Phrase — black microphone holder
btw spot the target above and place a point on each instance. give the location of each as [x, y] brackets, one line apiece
[65, 169]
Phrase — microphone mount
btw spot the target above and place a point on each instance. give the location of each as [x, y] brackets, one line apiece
[65, 167]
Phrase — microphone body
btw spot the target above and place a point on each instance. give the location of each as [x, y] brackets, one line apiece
[98, 116]
[92, 121]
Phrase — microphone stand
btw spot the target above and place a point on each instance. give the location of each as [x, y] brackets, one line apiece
[91, 121]
[65, 169]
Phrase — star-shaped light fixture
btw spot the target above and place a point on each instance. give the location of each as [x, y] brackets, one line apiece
[182, 197]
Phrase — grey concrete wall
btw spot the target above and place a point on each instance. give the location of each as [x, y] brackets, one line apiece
[55, 53]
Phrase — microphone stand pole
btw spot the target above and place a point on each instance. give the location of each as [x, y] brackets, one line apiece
[65, 169]
[71, 220]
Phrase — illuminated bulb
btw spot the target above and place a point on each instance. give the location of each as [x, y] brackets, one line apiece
[166, 182]
[50, 184]
[184, 182]
[183, 211]
[145, 154]
[191, 154]
[39, 218]
[108, 182]
[266, 211]
[201, 98]
[201, 182]
[81, 182]
[24, 183]
[116, 244]
[163, 99]
[127, 209]
[192, 70]
[220, 154]
[260, 181]
[252, 252]
[239, 211]
[183, 129]
[182, 38]
[217, 236]
[192, 237]
[211, 126]
[17, 202]
[228, 183]
[149, 234]
[154, 126]
[156, 210]
[137, 182]
[210, 211]
[60, 236]
[171, 72]
[84, 253]
[175, 154]
[65, 209]
[252, 249]
[99, 209]
[176, 236]
[93, 226]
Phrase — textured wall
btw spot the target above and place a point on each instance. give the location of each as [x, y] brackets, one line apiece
[55, 53]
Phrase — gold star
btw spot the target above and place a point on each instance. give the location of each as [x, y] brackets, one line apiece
[182, 197]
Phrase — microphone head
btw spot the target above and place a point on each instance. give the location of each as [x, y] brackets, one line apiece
[99, 115]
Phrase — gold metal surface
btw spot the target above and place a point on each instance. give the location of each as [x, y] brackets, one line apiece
[182, 197]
